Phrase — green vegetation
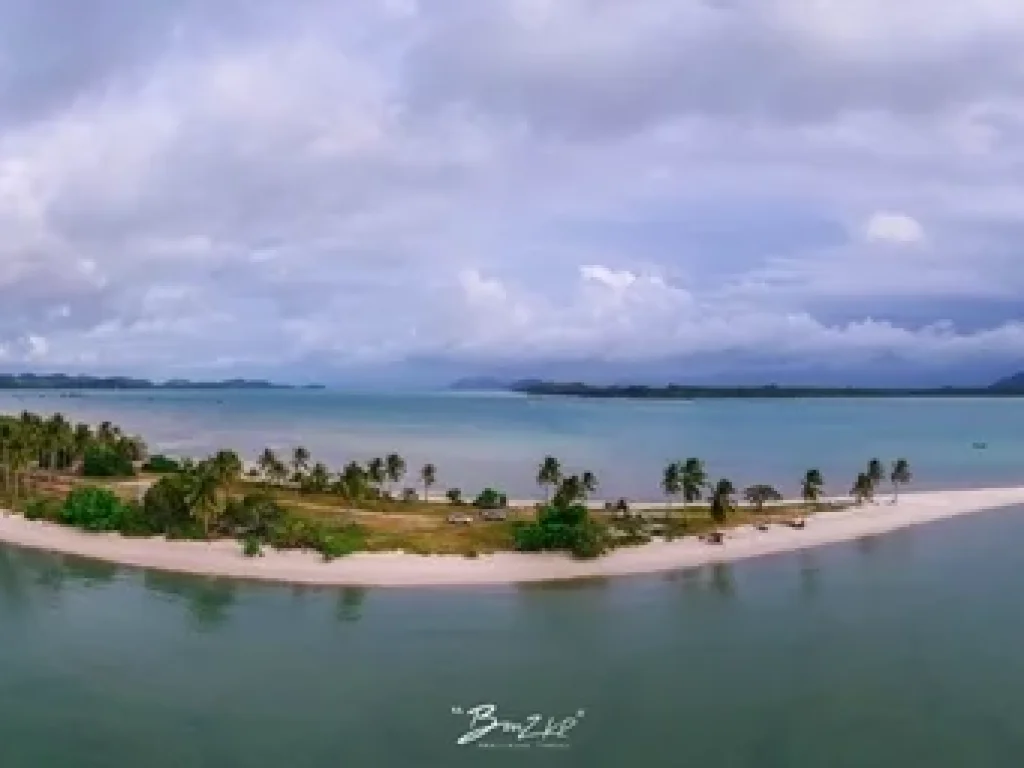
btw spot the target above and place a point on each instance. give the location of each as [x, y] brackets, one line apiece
[564, 524]
[80, 475]
[160, 464]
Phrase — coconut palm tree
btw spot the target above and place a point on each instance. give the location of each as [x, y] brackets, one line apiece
[204, 492]
[300, 461]
[812, 485]
[721, 500]
[428, 476]
[863, 488]
[266, 462]
[549, 475]
[901, 475]
[694, 478]
[376, 473]
[353, 481]
[227, 468]
[672, 481]
[318, 477]
[394, 469]
[876, 474]
[278, 472]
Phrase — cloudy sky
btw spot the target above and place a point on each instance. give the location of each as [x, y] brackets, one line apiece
[322, 188]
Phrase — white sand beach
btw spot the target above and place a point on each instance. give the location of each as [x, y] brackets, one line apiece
[225, 559]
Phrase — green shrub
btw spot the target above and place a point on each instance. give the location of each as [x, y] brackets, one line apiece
[42, 508]
[454, 496]
[165, 507]
[255, 514]
[94, 509]
[161, 464]
[136, 522]
[252, 547]
[100, 461]
[565, 528]
[490, 499]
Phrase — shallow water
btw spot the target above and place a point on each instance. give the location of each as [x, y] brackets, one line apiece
[902, 649]
[500, 439]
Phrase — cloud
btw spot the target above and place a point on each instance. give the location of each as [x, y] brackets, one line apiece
[244, 186]
[895, 228]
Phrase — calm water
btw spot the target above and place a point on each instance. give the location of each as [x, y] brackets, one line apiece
[901, 650]
[500, 439]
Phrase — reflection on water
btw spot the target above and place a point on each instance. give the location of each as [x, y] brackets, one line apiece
[349, 604]
[208, 599]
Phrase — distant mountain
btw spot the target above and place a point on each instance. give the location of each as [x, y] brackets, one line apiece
[1014, 383]
[66, 381]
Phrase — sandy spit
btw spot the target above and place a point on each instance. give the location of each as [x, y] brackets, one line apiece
[224, 558]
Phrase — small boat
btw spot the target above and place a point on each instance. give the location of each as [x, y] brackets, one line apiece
[980, 446]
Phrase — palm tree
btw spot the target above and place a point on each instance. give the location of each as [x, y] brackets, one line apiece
[319, 477]
[203, 498]
[428, 475]
[394, 468]
[863, 489]
[759, 494]
[694, 479]
[227, 468]
[721, 500]
[876, 474]
[589, 482]
[672, 481]
[901, 475]
[278, 472]
[353, 481]
[300, 460]
[549, 475]
[376, 474]
[811, 486]
[266, 462]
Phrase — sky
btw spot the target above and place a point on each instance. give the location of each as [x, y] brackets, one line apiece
[723, 189]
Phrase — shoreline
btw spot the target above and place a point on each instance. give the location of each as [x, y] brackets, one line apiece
[224, 559]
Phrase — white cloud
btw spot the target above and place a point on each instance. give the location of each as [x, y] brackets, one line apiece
[896, 228]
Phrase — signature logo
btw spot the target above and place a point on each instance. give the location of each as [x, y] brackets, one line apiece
[534, 729]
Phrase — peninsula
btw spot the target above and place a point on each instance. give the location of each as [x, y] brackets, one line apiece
[1012, 386]
[71, 381]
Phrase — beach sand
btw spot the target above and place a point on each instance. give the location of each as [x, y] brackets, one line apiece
[224, 558]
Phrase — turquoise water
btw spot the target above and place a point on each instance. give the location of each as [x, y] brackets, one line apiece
[479, 439]
[900, 650]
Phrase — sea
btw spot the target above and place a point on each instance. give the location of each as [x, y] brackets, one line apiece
[499, 439]
[901, 649]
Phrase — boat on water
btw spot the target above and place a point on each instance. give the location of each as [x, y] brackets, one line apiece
[980, 446]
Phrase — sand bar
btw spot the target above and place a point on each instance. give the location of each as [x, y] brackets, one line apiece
[224, 558]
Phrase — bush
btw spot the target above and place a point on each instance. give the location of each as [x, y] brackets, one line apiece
[254, 514]
[106, 462]
[252, 547]
[43, 508]
[162, 464]
[490, 499]
[136, 522]
[454, 496]
[566, 528]
[165, 507]
[94, 509]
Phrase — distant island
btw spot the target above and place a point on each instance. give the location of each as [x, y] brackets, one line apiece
[1012, 386]
[66, 381]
